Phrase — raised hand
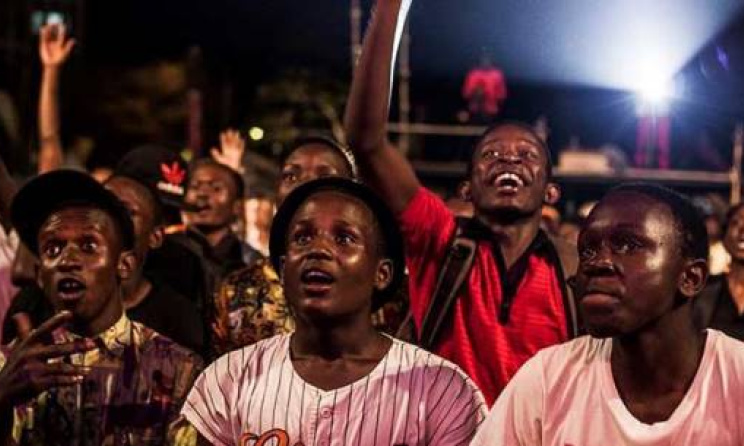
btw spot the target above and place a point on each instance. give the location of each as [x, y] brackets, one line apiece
[232, 148]
[54, 47]
[28, 372]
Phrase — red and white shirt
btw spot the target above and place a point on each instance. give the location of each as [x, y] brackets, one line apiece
[254, 396]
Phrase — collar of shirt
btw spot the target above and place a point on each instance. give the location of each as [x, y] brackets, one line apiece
[113, 341]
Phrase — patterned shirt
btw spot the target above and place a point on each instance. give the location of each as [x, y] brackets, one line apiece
[254, 396]
[138, 382]
[249, 307]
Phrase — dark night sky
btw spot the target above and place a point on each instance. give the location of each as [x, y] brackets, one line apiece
[556, 55]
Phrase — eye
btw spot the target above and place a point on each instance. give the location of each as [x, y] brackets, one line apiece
[345, 239]
[52, 249]
[89, 245]
[488, 154]
[587, 252]
[289, 177]
[528, 153]
[300, 238]
[625, 245]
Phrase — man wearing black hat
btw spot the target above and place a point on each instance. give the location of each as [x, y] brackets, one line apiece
[134, 379]
[335, 380]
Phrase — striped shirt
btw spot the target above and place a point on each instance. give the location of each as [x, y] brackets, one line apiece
[254, 396]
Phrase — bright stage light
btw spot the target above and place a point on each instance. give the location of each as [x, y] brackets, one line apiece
[656, 91]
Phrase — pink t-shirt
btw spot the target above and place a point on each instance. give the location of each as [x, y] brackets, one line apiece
[566, 396]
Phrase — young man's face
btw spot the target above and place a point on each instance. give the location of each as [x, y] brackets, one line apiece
[630, 264]
[138, 201]
[733, 239]
[212, 190]
[333, 264]
[81, 262]
[310, 162]
[509, 172]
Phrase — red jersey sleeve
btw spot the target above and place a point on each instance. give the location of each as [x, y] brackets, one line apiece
[427, 225]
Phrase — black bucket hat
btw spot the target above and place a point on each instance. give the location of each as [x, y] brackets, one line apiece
[385, 218]
[52, 191]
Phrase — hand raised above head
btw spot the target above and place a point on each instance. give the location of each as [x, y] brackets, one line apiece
[54, 47]
[232, 148]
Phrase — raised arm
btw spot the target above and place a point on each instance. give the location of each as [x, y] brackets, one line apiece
[54, 50]
[381, 165]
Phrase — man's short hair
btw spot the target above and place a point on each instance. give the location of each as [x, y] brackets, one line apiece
[689, 223]
[235, 177]
[522, 126]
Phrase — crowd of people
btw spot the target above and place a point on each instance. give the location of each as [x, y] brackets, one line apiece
[382, 315]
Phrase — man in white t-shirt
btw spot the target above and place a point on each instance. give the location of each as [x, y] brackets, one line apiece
[335, 381]
[646, 376]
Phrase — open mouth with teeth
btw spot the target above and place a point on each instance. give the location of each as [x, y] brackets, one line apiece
[316, 282]
[508, 182]
[70, 289]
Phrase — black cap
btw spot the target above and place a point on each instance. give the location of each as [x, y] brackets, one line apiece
[385, 218]
[160, 169]
[52, 191]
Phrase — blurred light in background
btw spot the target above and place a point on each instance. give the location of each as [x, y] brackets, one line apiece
[256, 133]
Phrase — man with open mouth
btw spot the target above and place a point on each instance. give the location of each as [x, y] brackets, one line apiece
[336, 380]
[131, 381]
[513, 300]
[647, 375]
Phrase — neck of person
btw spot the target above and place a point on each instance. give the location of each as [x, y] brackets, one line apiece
[661, 358]
[107, 318]
[214, 234]
[352, 338]
[514, 235]
[135, 290]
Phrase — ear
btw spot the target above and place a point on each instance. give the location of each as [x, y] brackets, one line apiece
[156, 237]
[384, 274]
[693, 278]
[239, 209]
[463, 190]
[127, 265]
[552, 194]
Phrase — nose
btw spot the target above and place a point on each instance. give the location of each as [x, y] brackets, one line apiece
[601, 264]
[320, 248]
[69, 260]
[508, 155]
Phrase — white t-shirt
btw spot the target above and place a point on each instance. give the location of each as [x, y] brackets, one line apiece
[254, 396]
[566, 396]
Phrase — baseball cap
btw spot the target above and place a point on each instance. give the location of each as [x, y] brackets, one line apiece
[385, 218]
[160, 169]
[58, 189]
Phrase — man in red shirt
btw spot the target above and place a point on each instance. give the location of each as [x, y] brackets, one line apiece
[515, 300]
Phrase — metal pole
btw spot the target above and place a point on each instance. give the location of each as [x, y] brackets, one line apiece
[355, 18]
[404, 90]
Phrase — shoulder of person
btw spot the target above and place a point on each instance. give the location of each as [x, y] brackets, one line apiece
[152, 343]
[568, 255]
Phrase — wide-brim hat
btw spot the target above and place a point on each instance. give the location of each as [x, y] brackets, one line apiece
[52, 191]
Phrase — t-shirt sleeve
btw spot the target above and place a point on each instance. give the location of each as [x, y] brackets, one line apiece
[458, 408]
[516, 417]
[207, 406]
[427, 225]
